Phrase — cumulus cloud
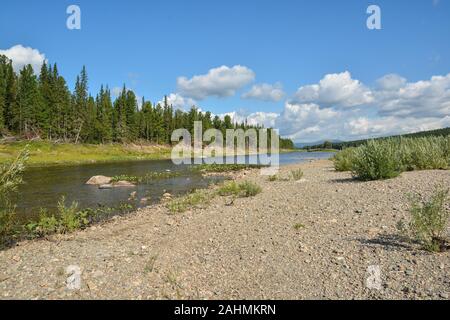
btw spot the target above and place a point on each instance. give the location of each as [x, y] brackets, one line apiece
[219, 82]
[297, 120]
[179, 102]
[266, 119]
[265, 92]
[420, 99]
[340, 107]
[22, 56]
[383, 126]
[335, 90]
[391, 82]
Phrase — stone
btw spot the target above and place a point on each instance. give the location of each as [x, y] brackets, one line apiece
[105, 186]
[99, 180]
[124, 184]
[132, 196]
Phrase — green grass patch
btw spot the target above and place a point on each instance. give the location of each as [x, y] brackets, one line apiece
[149, 177]
[297, 174]
[221, 168]
[189, 201]
[299, 226]
[49, 153]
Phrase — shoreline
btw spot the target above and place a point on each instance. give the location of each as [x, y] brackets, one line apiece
[249, 249]
[67, 154]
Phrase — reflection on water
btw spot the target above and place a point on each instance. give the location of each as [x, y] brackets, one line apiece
[45, 185]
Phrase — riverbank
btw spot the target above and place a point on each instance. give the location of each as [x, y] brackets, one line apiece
[44, 153]
[313, 238]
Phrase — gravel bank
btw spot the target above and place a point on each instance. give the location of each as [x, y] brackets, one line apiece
[247, 250]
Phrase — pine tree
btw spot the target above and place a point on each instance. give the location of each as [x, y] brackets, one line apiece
[29, 102]
[45, 106]
[2, 93]
[103, 125]
[80, 100]
[10, 112]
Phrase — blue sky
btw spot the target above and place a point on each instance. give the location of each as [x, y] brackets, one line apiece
[284, 44]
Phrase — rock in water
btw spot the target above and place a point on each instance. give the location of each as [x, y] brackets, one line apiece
[132, 196]
[99, 180]
[123, 184]
[106, 186]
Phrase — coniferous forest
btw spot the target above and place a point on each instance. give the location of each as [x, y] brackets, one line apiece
[42, 106]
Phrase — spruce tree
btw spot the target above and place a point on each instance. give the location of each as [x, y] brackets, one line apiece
[2, 94]
[29, 102]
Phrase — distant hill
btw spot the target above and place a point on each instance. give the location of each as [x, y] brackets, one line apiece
[302, 145]
[340, 145]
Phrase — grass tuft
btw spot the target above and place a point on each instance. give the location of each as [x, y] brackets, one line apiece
[428, 221]
[243, 190]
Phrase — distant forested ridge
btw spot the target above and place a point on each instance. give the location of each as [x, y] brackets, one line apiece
[357, 143]
[42, 106]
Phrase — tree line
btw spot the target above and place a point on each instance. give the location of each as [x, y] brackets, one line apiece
[444, 132]
[43, 106]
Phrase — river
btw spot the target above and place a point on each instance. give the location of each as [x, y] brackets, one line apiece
[44, 186]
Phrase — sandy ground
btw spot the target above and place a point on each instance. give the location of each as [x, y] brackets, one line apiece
[249, 250]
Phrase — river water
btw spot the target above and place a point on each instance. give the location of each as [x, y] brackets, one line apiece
[44, 186]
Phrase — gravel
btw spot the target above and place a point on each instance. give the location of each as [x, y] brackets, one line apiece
[247, 250]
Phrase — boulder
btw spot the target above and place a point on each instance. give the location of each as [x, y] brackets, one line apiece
[99, 180]
[123, 184]
[105, 186]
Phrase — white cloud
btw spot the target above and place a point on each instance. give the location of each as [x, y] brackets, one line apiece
[116, 91]
[22, 56]
[384, 126]
[219, 82]
[420, 99]
[265, 92]
[302, 121]
[179, 102]
[266, 119]
[391, 82]
[394, 106]
[335, 90]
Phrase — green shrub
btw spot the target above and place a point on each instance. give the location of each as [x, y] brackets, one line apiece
[273, 178]
[343, 160]
[228, 189]
[46, 225]
[297, 174]
[249, 189]
[10, 179]
[423, 153]
[387, 158]
[70, 218]
[429, 219]
[376, 161]
[243, 190]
